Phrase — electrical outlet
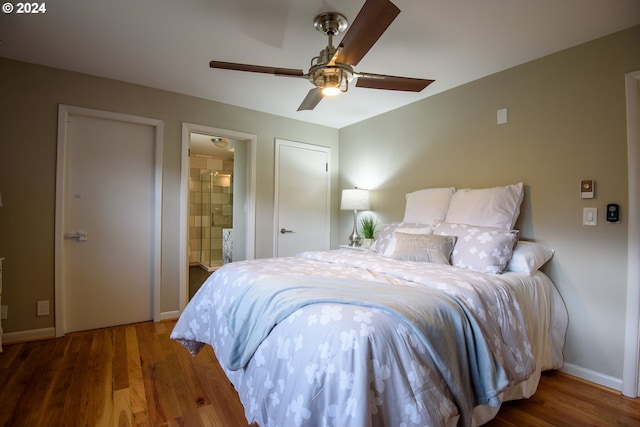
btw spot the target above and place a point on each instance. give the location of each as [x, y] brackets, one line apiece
[43, 308]
[3, 312]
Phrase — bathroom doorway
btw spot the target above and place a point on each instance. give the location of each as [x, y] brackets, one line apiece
[217, 202]
[211, 196]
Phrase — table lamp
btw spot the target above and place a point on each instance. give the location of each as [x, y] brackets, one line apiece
[356, 200]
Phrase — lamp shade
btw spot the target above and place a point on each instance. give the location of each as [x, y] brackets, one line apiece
[355, 199]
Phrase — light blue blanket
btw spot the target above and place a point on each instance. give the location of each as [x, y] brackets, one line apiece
[447, 329]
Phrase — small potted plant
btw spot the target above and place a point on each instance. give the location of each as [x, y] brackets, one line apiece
[368, 225]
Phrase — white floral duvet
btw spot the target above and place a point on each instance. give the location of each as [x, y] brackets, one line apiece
[340, 363]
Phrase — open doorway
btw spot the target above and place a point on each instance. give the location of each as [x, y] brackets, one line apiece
[211, 194]
[217, 204]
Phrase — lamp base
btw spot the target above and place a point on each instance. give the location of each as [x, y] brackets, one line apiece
[354, 237]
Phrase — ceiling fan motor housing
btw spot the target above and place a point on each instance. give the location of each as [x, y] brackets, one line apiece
[338, 76]
[330, 23]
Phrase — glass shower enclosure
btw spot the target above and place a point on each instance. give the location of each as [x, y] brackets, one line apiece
[216, 218]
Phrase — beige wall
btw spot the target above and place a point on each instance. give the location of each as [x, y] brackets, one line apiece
[29, 98]
[566, 123]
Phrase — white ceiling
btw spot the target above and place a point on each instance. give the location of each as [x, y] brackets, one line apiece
[168, 44]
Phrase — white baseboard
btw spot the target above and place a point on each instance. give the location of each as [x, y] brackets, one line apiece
[30, 335]
[169, 315]
[592, 376]
[46, 333]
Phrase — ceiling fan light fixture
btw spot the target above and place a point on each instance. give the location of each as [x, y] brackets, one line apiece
[331, 80]
[333, 84]
[331, 90]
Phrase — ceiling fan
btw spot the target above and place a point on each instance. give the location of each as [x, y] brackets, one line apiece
[331, 71]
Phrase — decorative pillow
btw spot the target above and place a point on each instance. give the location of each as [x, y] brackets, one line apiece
[423, 247]
[484, 249]
[488, 207]
[386, 242]
[427, 206]
[528, 257]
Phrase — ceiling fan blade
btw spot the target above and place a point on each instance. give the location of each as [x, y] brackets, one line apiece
[288, 72]
[372, 21]
[311, 100]
[380, 81]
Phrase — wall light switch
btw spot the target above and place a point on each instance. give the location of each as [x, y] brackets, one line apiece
[502, 116]
[590, 216]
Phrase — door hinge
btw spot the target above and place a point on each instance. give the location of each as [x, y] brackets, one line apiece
[326, 167]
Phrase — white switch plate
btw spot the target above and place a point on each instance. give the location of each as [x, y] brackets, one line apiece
[590, 216]
[502, 116]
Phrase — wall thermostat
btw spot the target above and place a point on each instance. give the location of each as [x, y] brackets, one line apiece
[587, 189]
[613, 212]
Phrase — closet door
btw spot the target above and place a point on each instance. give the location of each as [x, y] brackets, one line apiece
[302, 217]
[109, 242]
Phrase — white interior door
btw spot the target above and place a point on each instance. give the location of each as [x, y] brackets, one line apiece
[302, 216]
[108, 222]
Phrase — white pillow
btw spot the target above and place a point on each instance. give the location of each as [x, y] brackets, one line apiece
[528, 257]
[488, 207]
[484, 249]
[385, 244]
[427, 206]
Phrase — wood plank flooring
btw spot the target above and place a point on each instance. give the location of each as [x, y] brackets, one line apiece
[134, 375]
[131, 375]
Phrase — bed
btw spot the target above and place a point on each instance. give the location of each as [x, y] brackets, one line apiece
[436, 325]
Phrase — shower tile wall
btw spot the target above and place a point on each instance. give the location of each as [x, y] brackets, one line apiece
[200, 244]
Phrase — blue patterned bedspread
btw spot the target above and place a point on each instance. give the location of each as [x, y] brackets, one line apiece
[340, 338]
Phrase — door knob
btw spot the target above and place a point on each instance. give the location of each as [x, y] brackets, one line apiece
[284, 230]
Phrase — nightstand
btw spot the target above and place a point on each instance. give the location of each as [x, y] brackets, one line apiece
[353, 248]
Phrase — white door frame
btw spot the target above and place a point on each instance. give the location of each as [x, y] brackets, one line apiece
[631, 366]
[64, 113]
[250, 202]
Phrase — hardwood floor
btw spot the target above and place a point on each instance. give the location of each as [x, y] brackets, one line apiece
[130, 375]
[564, 400]
[134, 375]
